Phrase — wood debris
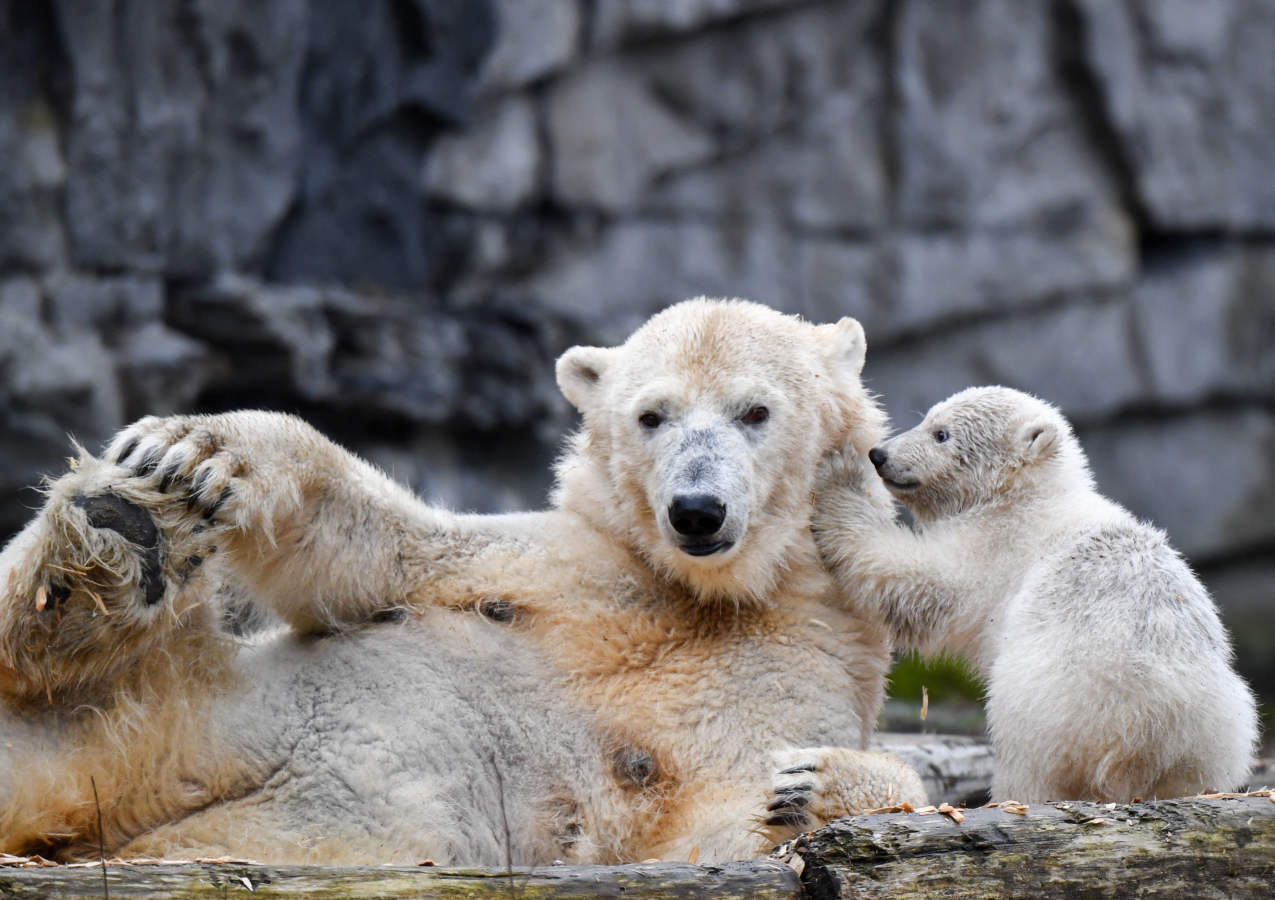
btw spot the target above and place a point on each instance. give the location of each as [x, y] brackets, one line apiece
[927, 810]
[1097, 821]
[1232, 795]
[693, 856]
[426, 862]
[903, 807]
[1018, 809]
[952, 813]
[925, 702]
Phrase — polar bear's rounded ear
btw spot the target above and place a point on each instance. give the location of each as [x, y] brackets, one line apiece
[579, 373]
[1037, 439]
[847, 345]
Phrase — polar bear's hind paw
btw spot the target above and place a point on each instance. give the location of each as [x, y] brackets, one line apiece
[135, 525]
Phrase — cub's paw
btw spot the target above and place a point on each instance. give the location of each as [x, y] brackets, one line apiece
[812, 786]
[846, 468]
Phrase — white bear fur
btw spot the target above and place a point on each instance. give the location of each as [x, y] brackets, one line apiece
[564, 684]
[1108, 672]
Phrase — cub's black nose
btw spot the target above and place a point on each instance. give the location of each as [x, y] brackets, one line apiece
[878, 456]
[696, 515]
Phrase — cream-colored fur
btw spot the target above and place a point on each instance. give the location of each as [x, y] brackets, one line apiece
[569, 684]
[1109, 674]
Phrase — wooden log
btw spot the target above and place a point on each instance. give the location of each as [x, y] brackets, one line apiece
[1197, 847]
[1222, 846]
[756, 878]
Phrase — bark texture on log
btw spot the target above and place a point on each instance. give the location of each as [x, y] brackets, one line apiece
[763, 879]
[1222, 846]
[1193, 847]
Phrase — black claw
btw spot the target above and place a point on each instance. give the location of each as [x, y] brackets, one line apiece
[166, 476]
[393, 615]
[795, 797]
[790, 800]
[796, 770]
[133, 524]
[217, 504]
[149, 462]
[126, 450]
[789, 819]
[197, 487]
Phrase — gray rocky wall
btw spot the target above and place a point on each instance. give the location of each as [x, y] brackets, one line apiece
[390, 216]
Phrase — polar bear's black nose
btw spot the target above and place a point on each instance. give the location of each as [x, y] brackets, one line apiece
[878, 457]
[696, 514]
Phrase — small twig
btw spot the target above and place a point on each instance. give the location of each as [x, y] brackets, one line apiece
[101, 841]
[504, 818]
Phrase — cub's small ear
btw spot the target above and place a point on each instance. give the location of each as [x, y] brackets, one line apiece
[847, 345]
[579, 373]
[1038, 439]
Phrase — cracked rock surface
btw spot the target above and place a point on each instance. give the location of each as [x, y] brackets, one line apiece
[391, 217]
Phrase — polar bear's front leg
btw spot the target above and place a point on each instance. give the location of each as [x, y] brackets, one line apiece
[323, 537]
[812, 786]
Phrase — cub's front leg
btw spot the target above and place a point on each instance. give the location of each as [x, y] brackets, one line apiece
[322, 537]
[913, 585]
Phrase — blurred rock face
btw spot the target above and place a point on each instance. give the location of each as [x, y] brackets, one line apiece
[392, 216]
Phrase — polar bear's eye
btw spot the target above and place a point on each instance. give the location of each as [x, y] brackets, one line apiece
[941, 435]
[650, 420]
[755, 416]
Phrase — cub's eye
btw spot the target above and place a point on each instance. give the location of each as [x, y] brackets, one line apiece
[941, 435]
[650, 420]
[755, 416]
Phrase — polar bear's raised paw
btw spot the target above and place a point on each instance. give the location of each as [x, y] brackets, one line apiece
[180, 454]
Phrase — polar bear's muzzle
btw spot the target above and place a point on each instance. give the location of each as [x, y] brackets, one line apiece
[897, 478]
[698, 520]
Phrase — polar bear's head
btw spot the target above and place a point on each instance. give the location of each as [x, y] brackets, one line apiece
[701, 435]
[982, 445]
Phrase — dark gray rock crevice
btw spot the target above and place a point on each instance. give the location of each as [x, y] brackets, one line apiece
[390, 217]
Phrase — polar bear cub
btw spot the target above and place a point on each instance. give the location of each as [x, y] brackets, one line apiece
[1109, 674]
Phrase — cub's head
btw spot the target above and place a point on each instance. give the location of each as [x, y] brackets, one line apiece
[701, 435]
[982, 445]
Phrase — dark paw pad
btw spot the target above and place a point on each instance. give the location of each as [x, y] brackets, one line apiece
[135, 525]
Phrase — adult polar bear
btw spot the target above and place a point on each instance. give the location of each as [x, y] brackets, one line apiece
[602, 681]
